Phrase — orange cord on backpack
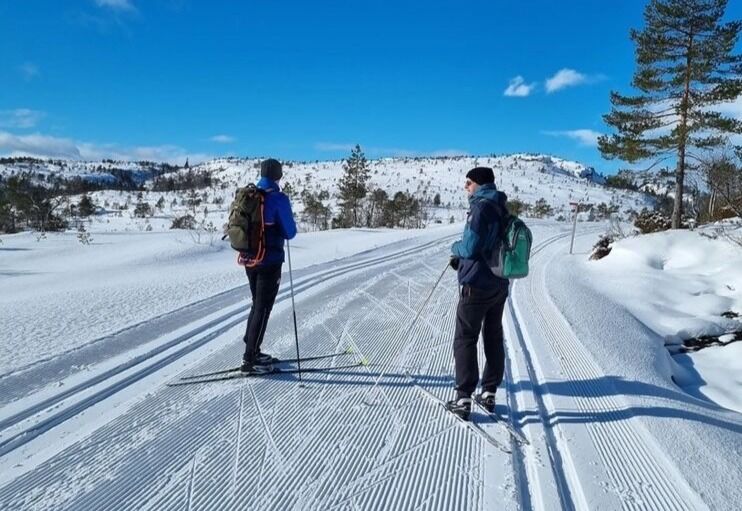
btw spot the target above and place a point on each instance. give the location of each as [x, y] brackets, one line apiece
[253, 262]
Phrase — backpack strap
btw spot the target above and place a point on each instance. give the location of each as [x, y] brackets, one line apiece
[505, 215]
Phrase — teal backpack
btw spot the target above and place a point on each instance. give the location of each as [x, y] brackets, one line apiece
[510, 260]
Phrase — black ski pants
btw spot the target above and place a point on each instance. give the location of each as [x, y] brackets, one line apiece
[264, 282]
[479, 310]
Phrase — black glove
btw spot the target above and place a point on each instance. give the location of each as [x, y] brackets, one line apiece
[454, 262]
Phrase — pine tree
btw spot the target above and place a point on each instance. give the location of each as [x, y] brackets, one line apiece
[86, 206]
[353, 187]
[685, 66]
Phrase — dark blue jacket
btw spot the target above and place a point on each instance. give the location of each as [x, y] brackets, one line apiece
[481, 236]
[279, 221]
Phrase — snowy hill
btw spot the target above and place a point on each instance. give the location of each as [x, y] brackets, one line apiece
[436, 181]
[103, 173]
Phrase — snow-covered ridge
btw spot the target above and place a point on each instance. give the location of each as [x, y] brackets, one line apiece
[436, 181]
[104, 172]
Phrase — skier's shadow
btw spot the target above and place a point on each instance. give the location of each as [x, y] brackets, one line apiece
[607, 386]
[592, 388]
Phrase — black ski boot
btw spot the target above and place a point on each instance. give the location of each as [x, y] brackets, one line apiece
[460, 406]
[487, 400]
[249, 367]
[264, 358]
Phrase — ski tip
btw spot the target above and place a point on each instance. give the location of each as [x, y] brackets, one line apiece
[364, 362]
[348, 350]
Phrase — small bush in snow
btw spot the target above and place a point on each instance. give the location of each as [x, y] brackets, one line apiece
[142, 210]
[83, 236]
[183, 222]
[602, 248]
[516, 206]
[651, 221]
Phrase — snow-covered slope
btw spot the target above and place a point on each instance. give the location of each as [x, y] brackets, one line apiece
[437, 182]
[103, 173]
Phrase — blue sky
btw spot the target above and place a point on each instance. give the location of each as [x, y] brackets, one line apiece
[170, 79]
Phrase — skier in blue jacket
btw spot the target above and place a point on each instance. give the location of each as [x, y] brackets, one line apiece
[265, 277]
[483, 295]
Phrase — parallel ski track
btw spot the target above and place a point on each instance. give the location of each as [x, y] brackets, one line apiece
[352, 481]
[189, 341]
[190, 463]
[641, 475]
[555, 456]
[208, 450]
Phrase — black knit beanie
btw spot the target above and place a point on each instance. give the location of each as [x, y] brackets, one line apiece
[271, 169]
[481, 175]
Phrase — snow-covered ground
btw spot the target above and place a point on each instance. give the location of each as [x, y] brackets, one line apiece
[679, 284]
[58, 294]
[92, 334]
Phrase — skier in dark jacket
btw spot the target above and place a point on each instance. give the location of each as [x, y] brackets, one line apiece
[482, 297]
[265, 277]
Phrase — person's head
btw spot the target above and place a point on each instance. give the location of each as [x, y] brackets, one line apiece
[477, 177]
[271, 169]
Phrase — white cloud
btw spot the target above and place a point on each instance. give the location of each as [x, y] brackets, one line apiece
[381, 152]
[222, 139]
[45, 146]
[116, 5]
[449, 152]
[331, 147]
[565, 78]
[20, 118]
[29, 70]
[585, 137]
[518, 88]
[38, 145]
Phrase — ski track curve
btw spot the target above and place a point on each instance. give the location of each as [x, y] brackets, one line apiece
[639, 473]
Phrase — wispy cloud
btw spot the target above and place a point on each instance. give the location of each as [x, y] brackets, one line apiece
[117, 5]
[564, 78]
[45, 146]
[331, 147]
[381, 152]
[38, 145]
[518, 88]
[29, 70]
[20, 118]
[585, 137]
[222, 139]
[109, 16]
[449, 152]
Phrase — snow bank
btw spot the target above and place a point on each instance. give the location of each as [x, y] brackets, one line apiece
[678, 284]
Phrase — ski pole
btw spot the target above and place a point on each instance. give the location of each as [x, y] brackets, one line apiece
[293, 307]
[409, 330]
[419, 311]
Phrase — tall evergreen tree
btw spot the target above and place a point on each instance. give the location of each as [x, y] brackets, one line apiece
[685, 66]
[86, 206]
[353, 187]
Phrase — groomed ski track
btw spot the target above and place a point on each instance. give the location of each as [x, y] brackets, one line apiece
[361, 438]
